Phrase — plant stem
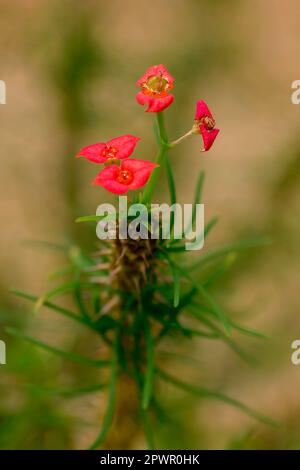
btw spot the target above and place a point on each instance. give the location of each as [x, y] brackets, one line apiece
[180, 139]
[163, 147]
[162, 128]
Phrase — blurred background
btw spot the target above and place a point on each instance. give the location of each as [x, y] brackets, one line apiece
[70, 69]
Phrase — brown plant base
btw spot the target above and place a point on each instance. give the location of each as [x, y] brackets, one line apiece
[125, 429]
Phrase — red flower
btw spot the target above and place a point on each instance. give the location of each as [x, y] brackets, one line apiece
[115, 149]
[132, 174]
[206, 123]
[155, 85]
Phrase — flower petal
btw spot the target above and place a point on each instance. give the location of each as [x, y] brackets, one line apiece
[108, 173]
[141, 170]
[156, 70]
[115, 187]
[143, 99]
[93, 152]
[155, 105]
[159, 104]
[140, 178]
[208, 136]
[135, 165]
[125, 144]
[202, 110]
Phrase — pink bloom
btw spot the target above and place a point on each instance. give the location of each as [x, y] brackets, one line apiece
[115, 149]
[206, 123]
[132, 174]
[155, 86]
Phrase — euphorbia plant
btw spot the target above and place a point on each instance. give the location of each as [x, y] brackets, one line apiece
[134, 293]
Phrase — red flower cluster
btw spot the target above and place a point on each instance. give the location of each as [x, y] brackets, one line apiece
[131, 174]
[155, 85]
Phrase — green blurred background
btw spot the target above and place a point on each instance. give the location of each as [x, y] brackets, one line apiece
[70, 69]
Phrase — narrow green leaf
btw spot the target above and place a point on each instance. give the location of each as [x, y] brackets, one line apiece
[150, 364]
[96, 301]
[78, 297]
[105, 323]
[117, 359]
[146, 419]
[212, 394]
[172, 187]
[90, 218]
[215, 308]
[72, 392]
[57, 309]
[210, 225]
[203, 334]
[187, 298]
[207, 297]
[109, 414]
[197, 198]
[249, 331]
[64, 354]
[144, 381]
[176, 279]
[220, 270]
[42, 244]
[79, 259]
[180, 357]
[61, 272]
[199, 189]
[60, 290]
[235, 347]
[98, 218]
[175, 326]
[232, 248]
[241, 328]
[172, 248]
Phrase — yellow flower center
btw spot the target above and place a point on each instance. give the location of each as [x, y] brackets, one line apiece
[157, 86]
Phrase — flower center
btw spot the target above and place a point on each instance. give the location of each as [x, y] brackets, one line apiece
[125, 177]
[208, 122]
[109, 152]
[157, 86]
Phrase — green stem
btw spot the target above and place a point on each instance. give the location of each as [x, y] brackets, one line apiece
[163, 147]
[162, 127]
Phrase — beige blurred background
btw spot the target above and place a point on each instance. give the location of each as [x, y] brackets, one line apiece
[70, 69]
